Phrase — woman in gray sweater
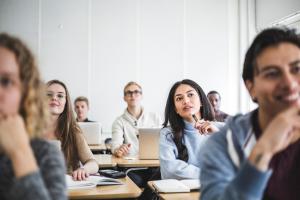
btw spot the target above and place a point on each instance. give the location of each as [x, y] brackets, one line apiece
[30, 167]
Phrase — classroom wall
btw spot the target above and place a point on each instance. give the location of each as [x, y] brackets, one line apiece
[270, 11]
[97, 46]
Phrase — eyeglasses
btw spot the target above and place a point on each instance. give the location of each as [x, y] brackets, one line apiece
[129, 93]
[59, 96]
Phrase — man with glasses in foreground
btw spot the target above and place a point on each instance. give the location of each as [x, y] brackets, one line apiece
[125, 128]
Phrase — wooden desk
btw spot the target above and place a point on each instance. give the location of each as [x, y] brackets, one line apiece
[122, 162]
[105, 160]
[127, 190]
[97, 147]
[194, 195]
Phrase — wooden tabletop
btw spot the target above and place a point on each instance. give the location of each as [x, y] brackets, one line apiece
[105, 160]
[123, 162]
[97, 147]
[194, 195]
[127, 190]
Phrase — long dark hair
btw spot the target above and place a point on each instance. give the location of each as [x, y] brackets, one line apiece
[66, 130]
[175, 120]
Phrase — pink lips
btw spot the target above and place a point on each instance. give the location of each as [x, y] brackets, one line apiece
[53, 104]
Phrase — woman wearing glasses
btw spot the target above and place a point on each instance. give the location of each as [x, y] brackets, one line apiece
[30, 167]
[79, 158]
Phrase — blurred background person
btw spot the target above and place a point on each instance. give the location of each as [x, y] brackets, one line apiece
[215, 100]
[81, 106]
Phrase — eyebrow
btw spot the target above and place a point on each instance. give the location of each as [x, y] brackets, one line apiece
[294, 63]
[57, 92]
[186, 92]
[268, 67]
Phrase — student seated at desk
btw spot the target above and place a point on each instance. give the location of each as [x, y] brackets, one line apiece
[30, 167]
[125, 128]
[66, 129]
[182, 138]
[81, 107]
[257, 155]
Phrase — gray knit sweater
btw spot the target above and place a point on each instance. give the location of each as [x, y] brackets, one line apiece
[47, 183]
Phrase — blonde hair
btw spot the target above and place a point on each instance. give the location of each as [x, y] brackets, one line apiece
[131, 83]
[33, 107]
[82, 98]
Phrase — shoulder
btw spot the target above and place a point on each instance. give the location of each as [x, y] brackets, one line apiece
[218, 124]
[166, 133]
[46, 152]
[41, 146]
[119, 120]
[239, 125]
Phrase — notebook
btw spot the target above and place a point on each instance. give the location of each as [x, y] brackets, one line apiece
[149, 143]
[91, 132]
[173, 185]
[92, 181]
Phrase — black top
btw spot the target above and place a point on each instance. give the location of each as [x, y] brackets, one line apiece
[220, 116]
[285, 180]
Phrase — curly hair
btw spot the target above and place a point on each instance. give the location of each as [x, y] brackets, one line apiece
[66, 129]
[33, 107]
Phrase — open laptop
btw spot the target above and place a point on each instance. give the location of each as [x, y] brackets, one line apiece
[149, 143]
[91, 132]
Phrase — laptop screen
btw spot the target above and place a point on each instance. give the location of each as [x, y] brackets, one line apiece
[149, 143]
[91, 132]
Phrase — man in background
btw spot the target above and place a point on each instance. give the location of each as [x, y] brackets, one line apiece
[81, 105]
[215, 100]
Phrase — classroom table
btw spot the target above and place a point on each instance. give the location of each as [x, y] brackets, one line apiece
[126, 191]
[105, 160]
[194, 195]
[97, 147]
[135, 162]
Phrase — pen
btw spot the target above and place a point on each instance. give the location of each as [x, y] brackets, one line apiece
[196, 119]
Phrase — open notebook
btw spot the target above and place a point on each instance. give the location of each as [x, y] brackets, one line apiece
[173, 185]
[92, 181]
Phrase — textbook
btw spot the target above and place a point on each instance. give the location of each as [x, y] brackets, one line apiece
[173, 185]
[92, 181]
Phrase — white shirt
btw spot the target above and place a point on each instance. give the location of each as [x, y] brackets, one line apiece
[125, 129]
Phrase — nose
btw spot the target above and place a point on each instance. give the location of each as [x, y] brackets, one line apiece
[185, 99]
[290, 82]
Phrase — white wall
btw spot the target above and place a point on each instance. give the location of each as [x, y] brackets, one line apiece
[270, 11]
[97, 46]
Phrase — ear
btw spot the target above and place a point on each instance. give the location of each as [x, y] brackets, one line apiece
[250, 87]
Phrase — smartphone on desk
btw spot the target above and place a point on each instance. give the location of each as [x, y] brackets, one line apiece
[112, 173]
